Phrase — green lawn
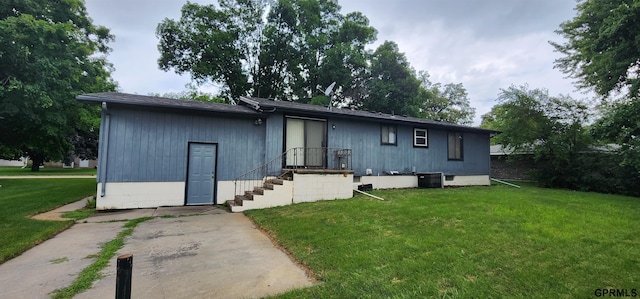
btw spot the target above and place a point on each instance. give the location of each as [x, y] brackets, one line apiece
[12, 171]
[482, 242]
[20, 198]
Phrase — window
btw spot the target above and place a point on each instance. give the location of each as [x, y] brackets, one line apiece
[388, 134]
[455, 145]
[420, 138]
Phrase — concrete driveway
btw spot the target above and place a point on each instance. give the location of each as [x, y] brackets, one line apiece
[201, 252]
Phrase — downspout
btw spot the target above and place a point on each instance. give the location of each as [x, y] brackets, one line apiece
[104, 146]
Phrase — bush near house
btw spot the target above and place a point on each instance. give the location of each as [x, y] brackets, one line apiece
[482, 242]
[596, 172]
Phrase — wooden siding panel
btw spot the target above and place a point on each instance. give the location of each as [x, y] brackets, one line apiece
[151, 148]
[144, 143]
[240, 144]
[274, 136]
[368, 152]
[118, 125]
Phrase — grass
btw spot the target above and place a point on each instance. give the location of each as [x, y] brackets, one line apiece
[482, 242]
[17, 171]
[89, 275]
[21, 198]
[84, 213]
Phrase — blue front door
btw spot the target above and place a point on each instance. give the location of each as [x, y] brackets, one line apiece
[201, 176]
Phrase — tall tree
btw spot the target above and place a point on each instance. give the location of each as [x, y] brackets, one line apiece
[620, 124]
[602, 52]
[602, 47]
[554, 128]
[275, 49]
[449, 102]
[346, 62]
[393, 87]
[209, 43]
[51, 52]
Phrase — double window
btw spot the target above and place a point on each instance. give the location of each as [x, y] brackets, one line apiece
[454, 145]
[420, 138]
[388, 135]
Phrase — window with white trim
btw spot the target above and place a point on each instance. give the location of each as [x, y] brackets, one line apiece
[420, 137]
[388, 135]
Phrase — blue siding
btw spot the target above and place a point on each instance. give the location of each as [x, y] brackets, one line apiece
[274, 136]
[367, 151]
[152, 146]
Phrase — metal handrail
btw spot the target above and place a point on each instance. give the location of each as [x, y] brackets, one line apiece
[293, 158]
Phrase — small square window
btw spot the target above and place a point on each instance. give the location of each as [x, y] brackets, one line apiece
[388, 135]
[420, 138]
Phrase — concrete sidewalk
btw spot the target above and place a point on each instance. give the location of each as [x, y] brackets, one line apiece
[202, 252]
[56, 214]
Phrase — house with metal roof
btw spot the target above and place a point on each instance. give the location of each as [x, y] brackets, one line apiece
[259, 153]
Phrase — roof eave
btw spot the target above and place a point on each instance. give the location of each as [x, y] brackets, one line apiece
[399, 119]
[88, 98]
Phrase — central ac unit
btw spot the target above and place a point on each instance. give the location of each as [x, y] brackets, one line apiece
[430, 180]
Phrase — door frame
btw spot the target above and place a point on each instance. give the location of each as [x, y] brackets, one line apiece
[215, 179]
[325, 137]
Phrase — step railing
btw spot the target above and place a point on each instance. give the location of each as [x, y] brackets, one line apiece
[294, 158]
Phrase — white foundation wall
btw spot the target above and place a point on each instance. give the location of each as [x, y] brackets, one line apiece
[389, 181]
[411, 181]
[469, 180]
[314, 187]
[136, 195]
[281, 195]
[227, 189]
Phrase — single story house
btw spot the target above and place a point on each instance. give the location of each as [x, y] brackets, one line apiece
[164, 152]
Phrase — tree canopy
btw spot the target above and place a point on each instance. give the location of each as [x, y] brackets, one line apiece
[275, 49]
[51, 52]
[191, 93]
[448, 102]
[288, 49]
[602, 47]
[532, 119]
[602, 52]
[553, 128]
[393, 87]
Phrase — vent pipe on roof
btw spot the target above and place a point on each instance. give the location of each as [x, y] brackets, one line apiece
[251, 103]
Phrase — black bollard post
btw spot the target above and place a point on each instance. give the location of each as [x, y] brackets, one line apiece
[123, 277]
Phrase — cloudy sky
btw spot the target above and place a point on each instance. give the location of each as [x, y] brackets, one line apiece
[484, 44]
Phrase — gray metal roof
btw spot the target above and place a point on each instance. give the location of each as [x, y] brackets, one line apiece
[260, 107]
[152, 101]
[266, 105]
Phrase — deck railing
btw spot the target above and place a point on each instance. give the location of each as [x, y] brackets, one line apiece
[294, 158]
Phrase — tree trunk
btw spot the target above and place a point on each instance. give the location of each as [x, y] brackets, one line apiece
[36, 161]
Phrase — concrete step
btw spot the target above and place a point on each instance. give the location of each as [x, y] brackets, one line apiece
[234, 208]
[239, 199]
[275, 181]
[258, 190]
[248, 195]
[287, 174]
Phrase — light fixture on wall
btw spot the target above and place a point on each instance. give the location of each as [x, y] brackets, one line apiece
[333, 126]
[258, 122]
